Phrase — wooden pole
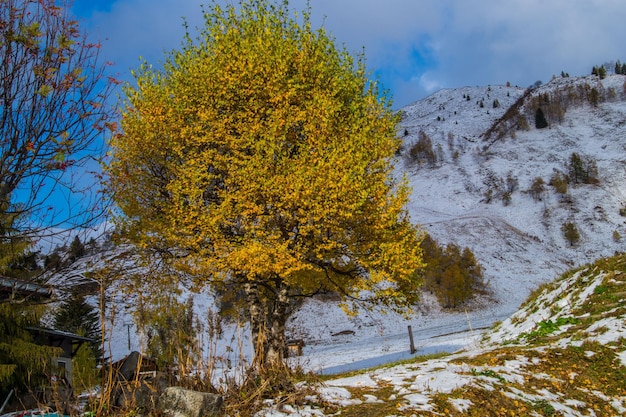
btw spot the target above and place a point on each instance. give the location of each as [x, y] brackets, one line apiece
[413, 350]
[128, 332]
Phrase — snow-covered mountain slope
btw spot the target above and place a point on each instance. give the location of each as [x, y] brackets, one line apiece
[520, 244]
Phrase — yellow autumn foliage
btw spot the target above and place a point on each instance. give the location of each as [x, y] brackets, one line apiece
[261, 149]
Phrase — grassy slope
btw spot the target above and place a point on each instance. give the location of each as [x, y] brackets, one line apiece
[562, 353]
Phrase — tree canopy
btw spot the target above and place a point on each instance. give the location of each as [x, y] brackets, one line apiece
[261, 156]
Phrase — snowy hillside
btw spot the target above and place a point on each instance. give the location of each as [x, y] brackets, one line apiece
[563, 353]
[520, 244]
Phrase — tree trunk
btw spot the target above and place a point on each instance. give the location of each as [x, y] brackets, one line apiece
[268, 308]
[278, 318]
[257, 322]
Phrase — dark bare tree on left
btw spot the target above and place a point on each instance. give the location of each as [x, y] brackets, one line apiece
[54, 110]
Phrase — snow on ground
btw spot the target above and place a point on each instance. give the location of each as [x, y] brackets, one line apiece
[414, 385]
[378, 337]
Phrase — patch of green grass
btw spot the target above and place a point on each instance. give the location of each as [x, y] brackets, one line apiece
[605, 293]
[544, 407]
[600, 289]
[587, 372]
[547, 327]
[490, 373]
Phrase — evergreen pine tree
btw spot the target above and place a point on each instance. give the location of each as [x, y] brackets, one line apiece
[582, 170]
[76, 316]
[540, 119]
[23, 364]
[53, 261]
[537, 188]
[77, 249]
[570, 233]
[577, 172]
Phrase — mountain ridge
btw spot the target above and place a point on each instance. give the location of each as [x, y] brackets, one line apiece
[524, 237]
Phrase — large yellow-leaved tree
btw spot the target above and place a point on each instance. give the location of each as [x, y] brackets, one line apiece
[261, 157]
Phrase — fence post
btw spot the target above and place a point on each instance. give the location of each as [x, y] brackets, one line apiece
[413, 350]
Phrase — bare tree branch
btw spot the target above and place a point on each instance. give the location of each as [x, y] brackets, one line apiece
[53, 116]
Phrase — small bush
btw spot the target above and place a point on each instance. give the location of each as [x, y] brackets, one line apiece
[422, 151]
[506, 198]
[537, 188]
[570, 233]
[522, 123]
[488, 196]
[450, 141]
[512, 183]
[617, 237]
[559, 181]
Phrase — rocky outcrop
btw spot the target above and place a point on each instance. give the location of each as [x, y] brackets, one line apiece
[180, 402]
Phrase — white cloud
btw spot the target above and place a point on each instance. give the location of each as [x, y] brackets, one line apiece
[429, 82]
[441, 43]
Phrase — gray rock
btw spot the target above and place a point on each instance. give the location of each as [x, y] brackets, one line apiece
[180, 402]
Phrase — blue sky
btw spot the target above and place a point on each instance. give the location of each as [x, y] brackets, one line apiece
[415, 46]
